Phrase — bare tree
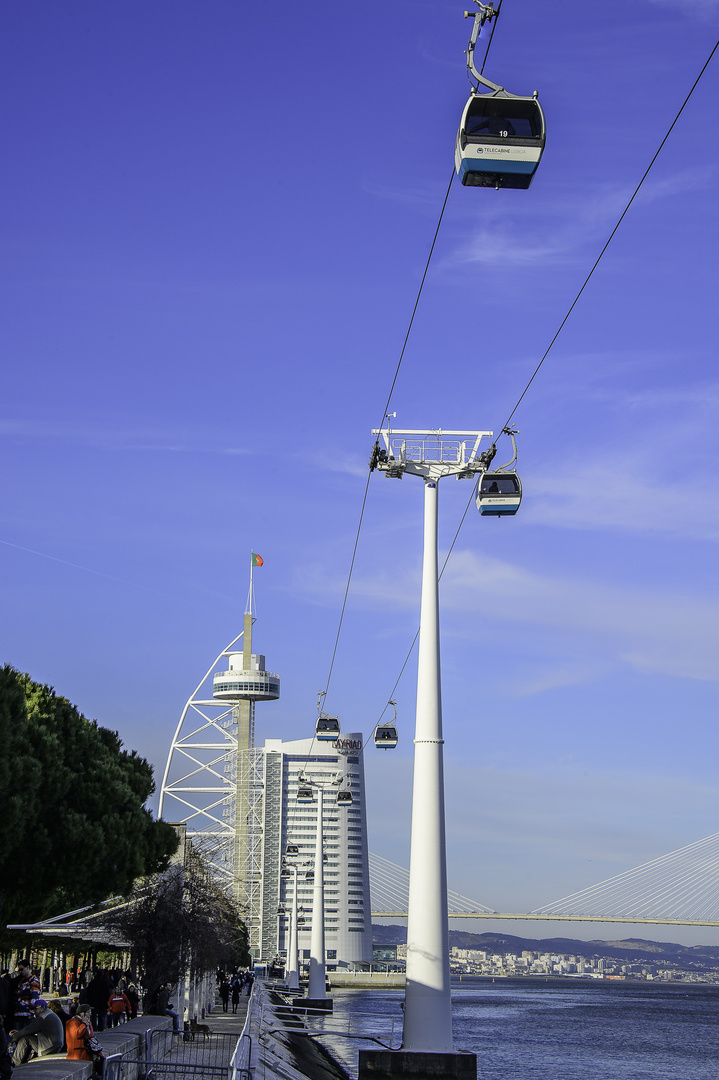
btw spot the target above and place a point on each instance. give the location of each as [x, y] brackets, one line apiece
[182, 919]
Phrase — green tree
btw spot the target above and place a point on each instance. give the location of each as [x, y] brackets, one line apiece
[73, 824]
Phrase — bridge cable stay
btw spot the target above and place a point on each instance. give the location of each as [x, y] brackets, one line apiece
[389, 889]
[682, 885]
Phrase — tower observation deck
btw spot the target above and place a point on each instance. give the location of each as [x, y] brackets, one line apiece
[240, 683]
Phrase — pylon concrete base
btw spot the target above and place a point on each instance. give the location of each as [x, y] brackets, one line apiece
[398, 1064]
[312, 1004]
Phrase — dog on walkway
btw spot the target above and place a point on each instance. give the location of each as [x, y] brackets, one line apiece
[199, 1029]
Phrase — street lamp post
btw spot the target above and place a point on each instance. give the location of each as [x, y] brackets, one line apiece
[430, 455]
[317, 984]
[293, 979]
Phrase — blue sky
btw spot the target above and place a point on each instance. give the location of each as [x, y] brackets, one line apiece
[216, 220]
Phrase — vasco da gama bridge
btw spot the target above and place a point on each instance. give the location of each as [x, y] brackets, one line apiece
[678, 889]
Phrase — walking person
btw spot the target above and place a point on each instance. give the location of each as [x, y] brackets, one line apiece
[225, 994]
[134, 998]
[118, 1006]
[236, 987]
[97, 994]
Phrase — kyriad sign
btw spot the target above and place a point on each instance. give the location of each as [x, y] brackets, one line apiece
[348, 744]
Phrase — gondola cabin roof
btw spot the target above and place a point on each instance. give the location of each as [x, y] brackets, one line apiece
[500, 140]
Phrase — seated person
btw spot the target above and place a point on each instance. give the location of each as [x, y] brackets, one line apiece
[42, 1036]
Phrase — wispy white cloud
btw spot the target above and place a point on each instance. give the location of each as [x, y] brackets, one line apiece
[568, 226]
[660, 630]
[619, 494]
[612, 625]
[420, 196]
[348, 466]
[678, 184]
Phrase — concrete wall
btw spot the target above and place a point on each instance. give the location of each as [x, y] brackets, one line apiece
[126, 1039]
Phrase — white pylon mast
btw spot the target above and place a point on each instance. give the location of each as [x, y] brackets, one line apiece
[431, 455]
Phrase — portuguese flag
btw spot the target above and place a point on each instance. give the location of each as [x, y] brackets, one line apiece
[257, 560]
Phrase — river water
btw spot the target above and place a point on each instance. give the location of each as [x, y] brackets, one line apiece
[551, 1030]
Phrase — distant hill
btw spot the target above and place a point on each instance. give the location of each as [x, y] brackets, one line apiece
[629, 949]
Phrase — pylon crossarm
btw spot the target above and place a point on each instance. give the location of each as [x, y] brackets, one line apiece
[429, 454]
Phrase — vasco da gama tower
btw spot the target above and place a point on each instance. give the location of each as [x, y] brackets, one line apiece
[239, 803]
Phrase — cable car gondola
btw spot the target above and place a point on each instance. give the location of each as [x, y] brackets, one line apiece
[292, 849]
[344, 798]
[304, 792]
[327, 728]
[501, 136]
[500, 141]
[385, 735]
[499, 494]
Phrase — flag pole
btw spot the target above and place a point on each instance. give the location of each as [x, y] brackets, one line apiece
[248, 609]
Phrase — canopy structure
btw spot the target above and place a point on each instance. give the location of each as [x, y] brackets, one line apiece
[85, 924]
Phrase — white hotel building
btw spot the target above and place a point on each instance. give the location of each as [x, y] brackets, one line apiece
[348, 921]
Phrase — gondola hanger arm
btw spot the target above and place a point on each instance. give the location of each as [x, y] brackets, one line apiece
[511, 431]
[485, 13]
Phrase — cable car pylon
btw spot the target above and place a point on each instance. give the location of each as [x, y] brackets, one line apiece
[501, 136]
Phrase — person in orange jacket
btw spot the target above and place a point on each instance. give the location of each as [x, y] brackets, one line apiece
[77, 1030]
